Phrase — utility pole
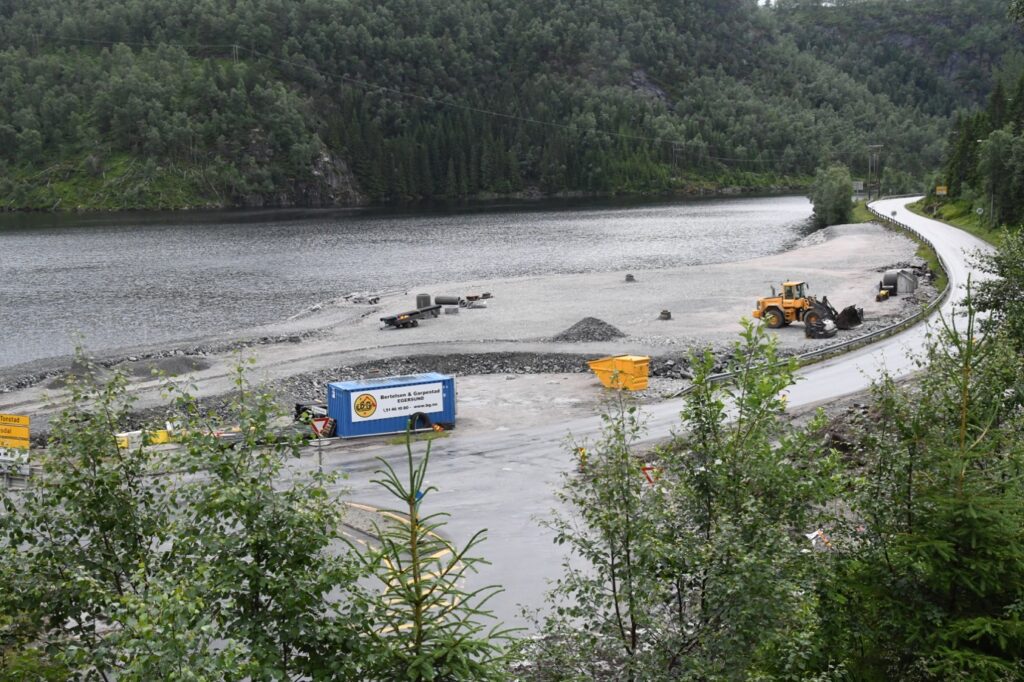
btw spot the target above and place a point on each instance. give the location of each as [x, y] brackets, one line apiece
[874, 152]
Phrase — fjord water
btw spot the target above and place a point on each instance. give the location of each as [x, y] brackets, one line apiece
[109, 281]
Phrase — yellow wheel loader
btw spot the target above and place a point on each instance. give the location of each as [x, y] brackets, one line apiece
[796, 305]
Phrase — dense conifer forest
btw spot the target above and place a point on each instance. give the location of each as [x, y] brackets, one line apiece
[170, 103]
[984, 167]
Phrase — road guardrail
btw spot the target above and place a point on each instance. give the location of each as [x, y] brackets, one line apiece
[852, 344]
[20, 478]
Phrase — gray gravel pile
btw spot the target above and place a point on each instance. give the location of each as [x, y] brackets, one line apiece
[917, 264]
[679, 366]
[671, 368]
[589, 329]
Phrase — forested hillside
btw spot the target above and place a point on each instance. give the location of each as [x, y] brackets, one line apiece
[984, 169]
[935, 56]
[146, 103]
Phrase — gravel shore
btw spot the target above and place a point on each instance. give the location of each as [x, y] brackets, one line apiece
[530, 326]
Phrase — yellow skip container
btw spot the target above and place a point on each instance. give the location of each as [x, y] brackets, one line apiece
[133, 439]
[628, 372]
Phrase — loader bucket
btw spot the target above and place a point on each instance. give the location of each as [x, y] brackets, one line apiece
[850, 317]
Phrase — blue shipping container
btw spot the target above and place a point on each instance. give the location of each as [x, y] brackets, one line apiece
[370, 407]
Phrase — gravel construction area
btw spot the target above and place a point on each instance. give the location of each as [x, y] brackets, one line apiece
[543, 326]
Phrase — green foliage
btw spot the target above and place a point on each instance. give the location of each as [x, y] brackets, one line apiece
[256, 557]
[936, 55]
[985, 158]
[123, 183]
[426, 624]
[896, 182]
[860, 213]
[928, 581]
[85, 538]
[959, 213]
[282, 101]
[606, 615]
[1002, 294]
[750, 486]
[147, 127]
[1001, 172]
[832, 196]
[706, 573]
[198, 564]
[17, 665]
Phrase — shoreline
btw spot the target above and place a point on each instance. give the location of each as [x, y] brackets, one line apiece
[339, 339]
[524, 198]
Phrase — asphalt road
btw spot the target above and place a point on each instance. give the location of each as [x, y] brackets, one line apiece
[504, 480]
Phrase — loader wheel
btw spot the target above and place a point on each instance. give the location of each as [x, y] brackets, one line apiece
[811, 317]
[774, 318]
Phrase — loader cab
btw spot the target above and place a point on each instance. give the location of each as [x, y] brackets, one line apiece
[792, 291]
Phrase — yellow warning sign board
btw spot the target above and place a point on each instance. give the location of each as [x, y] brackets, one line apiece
[941, 190]
[14, 431]
[14, 420]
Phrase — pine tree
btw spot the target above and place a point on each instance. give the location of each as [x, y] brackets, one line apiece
[997, 105]
[427, 624]
[930, 577]
[451, 185]
[1016, 112]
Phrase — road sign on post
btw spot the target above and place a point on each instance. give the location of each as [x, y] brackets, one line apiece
[941, 190]
[323, 427]
[651, 473]
[14, 431]
[14, 435]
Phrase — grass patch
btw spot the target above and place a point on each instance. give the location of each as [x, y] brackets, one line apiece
[418, 437]
[932, 259]
[958, 214]
[861, 214]
[116, 182]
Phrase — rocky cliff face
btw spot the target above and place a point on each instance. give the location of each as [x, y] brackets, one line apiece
[329, 183]
[337, 186]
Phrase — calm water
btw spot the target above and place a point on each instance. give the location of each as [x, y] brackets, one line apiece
[116, 280]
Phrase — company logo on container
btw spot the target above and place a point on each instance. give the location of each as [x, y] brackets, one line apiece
[365, 405]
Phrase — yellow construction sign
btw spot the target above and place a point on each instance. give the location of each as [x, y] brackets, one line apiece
[14, 431]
